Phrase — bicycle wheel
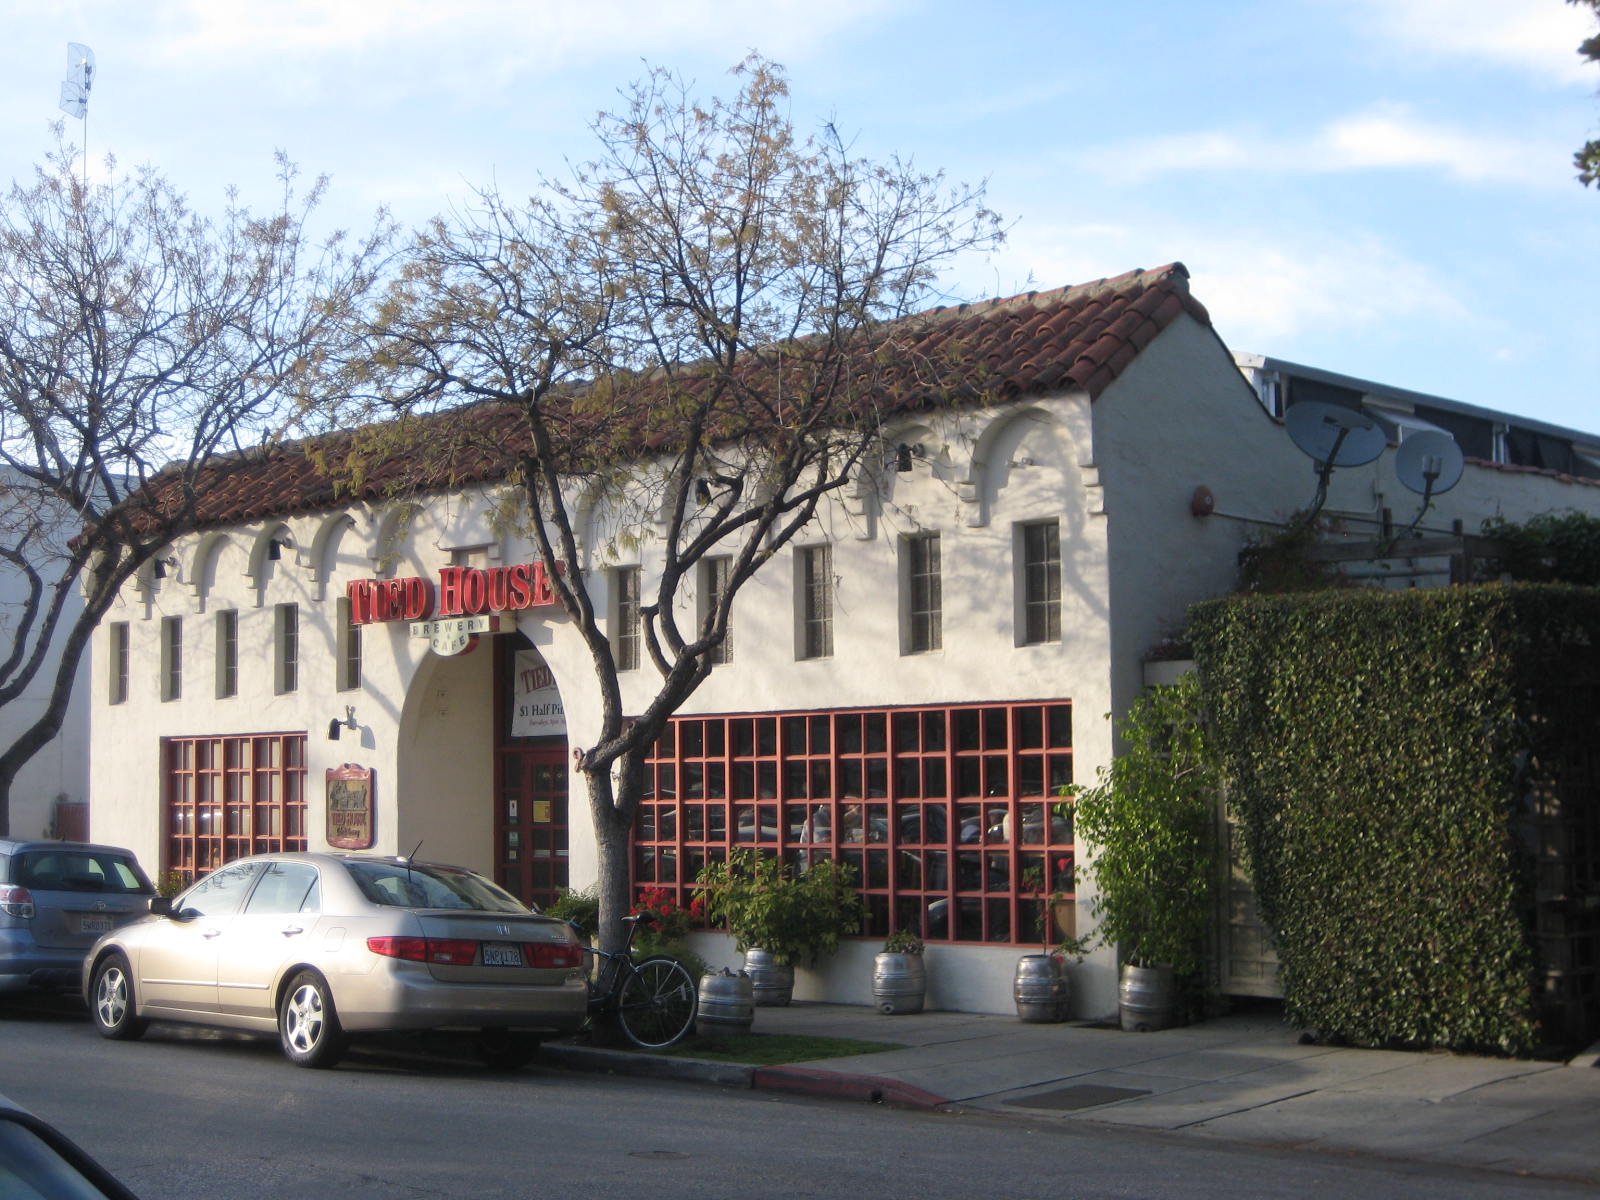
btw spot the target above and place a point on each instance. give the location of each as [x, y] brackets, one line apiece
[657, 1004]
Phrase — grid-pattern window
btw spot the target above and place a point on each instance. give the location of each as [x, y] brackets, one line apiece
[924, 594]
[348, 648]
[713, 587]
[226, 797]
[625, 642]
[171, 658]
[1041, 582]
[952, 816]
[117, 662]
[286, 623]
[816, 601]
[227, 653]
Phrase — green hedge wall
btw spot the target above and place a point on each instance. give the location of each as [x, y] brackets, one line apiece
[1380, 750]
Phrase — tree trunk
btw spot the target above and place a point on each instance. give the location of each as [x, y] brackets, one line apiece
[613, 828]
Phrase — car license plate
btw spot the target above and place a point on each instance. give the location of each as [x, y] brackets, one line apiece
[98, 923]
[502, 954]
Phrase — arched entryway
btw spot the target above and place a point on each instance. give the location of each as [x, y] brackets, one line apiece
[531, 776]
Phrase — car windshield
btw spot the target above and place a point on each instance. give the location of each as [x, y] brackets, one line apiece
[423, 885]
[80, 871]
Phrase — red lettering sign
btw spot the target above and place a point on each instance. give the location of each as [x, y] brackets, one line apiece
[462, 591]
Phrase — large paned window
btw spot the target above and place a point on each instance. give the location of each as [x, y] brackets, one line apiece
[117, 662]
[227, 653]
[625, 612]
[286, 622]
[950, 815]
[713, 587]
[226, 797]
[815, 585]
[924, 594]
[171, 658]
[1041, 582]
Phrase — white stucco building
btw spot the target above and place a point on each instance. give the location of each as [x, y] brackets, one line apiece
[906, 687]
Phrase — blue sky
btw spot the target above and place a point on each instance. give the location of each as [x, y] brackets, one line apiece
[1377, 187]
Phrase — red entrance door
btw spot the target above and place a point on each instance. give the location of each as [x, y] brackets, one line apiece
[531, 820]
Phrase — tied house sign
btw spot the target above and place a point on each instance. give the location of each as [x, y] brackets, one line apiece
[454, 612]
[350, 807]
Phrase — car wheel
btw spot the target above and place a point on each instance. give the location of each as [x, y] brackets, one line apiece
[111, 1004]
[502, 1050]
[308, 1025]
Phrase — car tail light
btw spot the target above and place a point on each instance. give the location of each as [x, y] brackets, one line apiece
[16, 902]
[552, 954]
[459, 952]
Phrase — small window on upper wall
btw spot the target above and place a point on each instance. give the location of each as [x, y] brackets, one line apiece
[1039, 543]
[625, 617]
[171, 658]
[227, 653]
[814, 580]
[349, 647]
[713, 587]
[924, 594]
[117, 661]
[286, 619]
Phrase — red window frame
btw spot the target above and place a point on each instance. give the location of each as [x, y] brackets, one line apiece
[226, 797]
[949, 813]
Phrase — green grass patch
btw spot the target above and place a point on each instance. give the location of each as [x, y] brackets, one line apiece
[772, 1049]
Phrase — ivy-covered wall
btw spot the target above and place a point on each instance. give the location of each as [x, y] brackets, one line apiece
[1406, 767]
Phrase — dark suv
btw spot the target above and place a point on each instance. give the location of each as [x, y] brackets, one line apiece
[56, 898]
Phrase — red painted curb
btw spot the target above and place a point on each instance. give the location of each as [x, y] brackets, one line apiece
[871, 1088]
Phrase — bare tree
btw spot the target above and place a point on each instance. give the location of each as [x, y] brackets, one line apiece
[138, 342]
[699, 325]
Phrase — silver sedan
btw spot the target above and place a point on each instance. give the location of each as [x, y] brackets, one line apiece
[316, 947]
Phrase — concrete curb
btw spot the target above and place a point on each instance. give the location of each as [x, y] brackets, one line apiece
[871, 1088]
[625, 1062]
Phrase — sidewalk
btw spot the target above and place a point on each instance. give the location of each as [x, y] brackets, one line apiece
[1242, 1078]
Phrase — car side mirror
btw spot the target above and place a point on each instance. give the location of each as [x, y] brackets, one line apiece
[161, 906]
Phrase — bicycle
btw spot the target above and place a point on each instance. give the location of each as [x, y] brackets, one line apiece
[652, 1000]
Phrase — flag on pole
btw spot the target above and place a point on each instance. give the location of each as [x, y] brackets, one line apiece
[80, 80]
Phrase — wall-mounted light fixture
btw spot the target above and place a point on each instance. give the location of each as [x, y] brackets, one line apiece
[162, 565]
[349, 722]
[905, 452]
[277, 546]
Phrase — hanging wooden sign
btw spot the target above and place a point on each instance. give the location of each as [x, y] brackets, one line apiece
[350, 807]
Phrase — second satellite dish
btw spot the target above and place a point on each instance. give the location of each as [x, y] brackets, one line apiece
[1429, 462]
[1334, 435]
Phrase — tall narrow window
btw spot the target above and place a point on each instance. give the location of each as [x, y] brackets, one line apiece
[924, 594]
[227, 653]
[286, 618]
[713, 587]
[625, 641]
[816, 602]
[1041, 582]
[117, 661]
[348, 648]
[171, 658]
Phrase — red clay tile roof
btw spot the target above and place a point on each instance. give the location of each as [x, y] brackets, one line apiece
[1072, 338]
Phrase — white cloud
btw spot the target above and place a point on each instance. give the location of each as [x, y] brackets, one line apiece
[1537, 36]
[1385, 138]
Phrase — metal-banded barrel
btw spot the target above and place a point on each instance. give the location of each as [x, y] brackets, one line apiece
[772, 981]
[1040, 989]
[1147, 998]
[899, 982]
[726, 1005]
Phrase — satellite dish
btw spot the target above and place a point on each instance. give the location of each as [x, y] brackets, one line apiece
[1333, 434]
[1429, 462]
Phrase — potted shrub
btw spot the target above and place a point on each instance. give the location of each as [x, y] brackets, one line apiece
[780, 917]
[1150, 822]
[899, 979]
[667, 932]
